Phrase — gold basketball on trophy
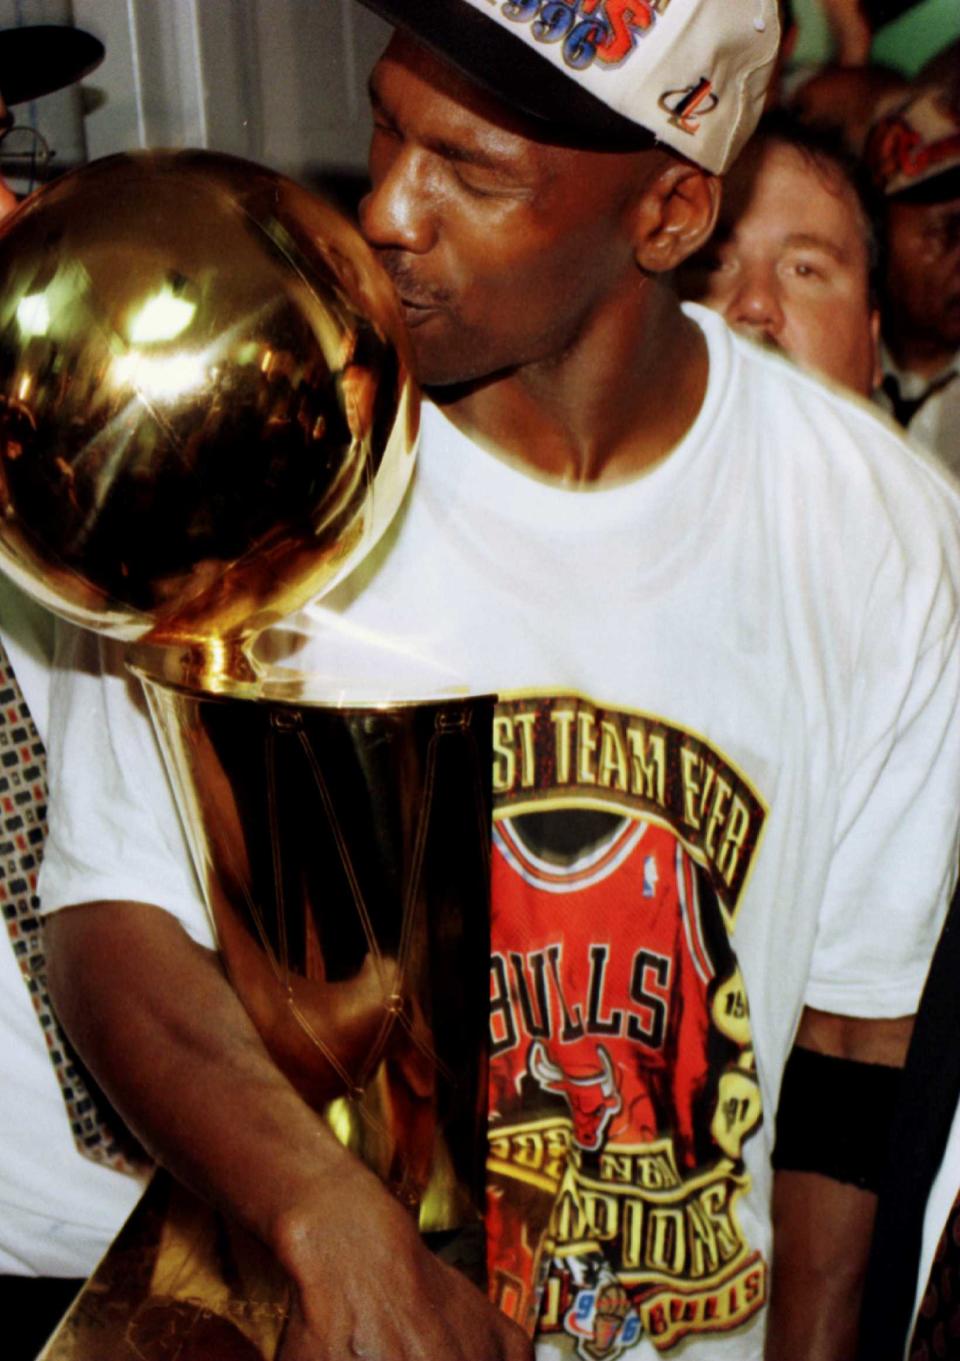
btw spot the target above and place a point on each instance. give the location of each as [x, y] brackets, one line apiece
[206, 414]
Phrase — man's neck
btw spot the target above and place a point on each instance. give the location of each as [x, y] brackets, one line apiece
[622, 398]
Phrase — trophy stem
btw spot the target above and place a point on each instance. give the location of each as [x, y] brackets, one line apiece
[207, 665]
[344, 854]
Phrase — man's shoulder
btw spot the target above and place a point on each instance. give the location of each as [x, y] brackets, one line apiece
[818, 434]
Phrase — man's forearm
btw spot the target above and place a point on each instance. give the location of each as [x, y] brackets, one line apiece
[822, 1225]
[155, 1019]
[822, 1233]
[172, 1046]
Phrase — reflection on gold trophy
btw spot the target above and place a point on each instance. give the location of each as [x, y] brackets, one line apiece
[206, 420]
[207, 411]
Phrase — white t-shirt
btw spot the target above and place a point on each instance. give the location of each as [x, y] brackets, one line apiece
[748, 658]
[59, 1211]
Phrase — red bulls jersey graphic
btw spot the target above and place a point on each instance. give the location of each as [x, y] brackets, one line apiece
[618, 1033]
[622, 1084]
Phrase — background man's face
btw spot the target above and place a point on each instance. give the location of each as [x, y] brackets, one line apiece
[922, 277]
[789, 263]
[500, 247]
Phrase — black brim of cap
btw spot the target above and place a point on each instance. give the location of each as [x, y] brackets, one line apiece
[486, 53]
[39, 59]
[940, 188]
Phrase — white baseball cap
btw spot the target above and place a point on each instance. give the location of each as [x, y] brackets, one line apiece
[693, 73]
[913, 151]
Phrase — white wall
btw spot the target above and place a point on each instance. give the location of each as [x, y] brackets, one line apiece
[58, 116]
[280, 81]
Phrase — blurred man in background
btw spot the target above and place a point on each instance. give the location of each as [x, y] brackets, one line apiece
[792, 260]
[913, 154]
[847, 100]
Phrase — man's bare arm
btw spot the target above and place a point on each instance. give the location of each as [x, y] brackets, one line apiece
[822, 1227]
[154, 1017]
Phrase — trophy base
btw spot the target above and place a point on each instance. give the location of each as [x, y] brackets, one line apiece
[181, 1283]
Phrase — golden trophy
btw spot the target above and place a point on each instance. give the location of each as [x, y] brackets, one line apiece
[206, 421]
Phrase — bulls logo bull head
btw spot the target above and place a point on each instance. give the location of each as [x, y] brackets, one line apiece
[594, 1098]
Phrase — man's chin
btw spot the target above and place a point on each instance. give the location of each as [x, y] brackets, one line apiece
[446, 359]
[440, 367]
[434, 359]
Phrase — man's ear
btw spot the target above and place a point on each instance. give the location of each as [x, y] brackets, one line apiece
[674, 216]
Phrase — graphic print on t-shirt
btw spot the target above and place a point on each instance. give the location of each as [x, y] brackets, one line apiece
[622, 1082]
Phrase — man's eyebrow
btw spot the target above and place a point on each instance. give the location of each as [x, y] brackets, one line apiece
[466, 155]
[813, 241]
[374, 96]
[450, 151]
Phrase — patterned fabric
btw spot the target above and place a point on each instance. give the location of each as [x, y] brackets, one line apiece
[936, 1336]
[97, 1131]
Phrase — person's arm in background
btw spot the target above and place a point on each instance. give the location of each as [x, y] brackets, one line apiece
[850, 30]
[822, 1224]
[155, 1019]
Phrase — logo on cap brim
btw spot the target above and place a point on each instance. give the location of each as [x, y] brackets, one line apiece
[687, 106]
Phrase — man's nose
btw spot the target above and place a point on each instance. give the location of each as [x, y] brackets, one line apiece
[397, 213]
[756, 303]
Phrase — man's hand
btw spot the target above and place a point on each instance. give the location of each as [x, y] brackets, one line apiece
[167, 1038]
[850, 30]
[367, 1287]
